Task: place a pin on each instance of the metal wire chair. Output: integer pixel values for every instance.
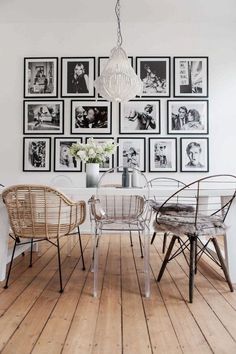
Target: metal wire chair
(167, 184)
(38, 212)
(195, 220)
(119, 209)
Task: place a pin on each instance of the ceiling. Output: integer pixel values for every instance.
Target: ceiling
(131, 11)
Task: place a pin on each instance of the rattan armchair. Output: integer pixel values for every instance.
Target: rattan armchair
(38, 212)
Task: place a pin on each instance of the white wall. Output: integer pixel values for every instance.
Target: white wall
(19, 40)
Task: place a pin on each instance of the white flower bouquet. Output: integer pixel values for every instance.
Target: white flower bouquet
(92, 151)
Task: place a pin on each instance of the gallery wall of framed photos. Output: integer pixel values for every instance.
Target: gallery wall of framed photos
(176, 140)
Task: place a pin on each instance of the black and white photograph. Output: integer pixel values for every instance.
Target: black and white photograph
(140, 117)
(63, 161)
(191, 76)
(162, 155)
(40, 77)
(131, 153)
(90, 117)
(78, 75)
(155, 75)
(43, 117)
(194, 154)
(187, 117)
(37, 154)
(109, 163)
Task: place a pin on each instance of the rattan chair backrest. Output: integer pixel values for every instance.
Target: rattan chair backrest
(37, 211)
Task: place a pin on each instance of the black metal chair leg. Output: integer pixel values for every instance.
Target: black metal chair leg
(193, 244)
(31, 253)
(222, 263)
(164, 242)
(9, 271)
(153, 237)
(59, 264)
(130, 237)
(167, 256)
(140, 244)
(81, 249)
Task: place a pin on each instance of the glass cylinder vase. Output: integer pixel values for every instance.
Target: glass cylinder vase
(92, 175)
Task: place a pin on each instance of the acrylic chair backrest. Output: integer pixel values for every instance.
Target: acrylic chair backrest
(117, 203)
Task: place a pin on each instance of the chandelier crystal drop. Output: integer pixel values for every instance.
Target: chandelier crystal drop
(118, 81)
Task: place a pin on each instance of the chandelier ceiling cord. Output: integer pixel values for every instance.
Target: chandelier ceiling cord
(118, 81)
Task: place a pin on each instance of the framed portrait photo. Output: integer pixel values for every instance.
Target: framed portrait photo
(77, 77)
(155, 75)
(37, 154)
(139, 117)
(131, 152)
(191, 76)
(63, 161)
(187, 117)
(40, 77)
(43, 117)
(162, 155)
(109, 163)
(194, 153)
(90, 117)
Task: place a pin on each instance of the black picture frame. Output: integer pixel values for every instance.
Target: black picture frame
(63, 162)
(36, 154)
(140, 117)
(77, 77)
(162, 154)
(191, 76)
(194, 154)
(155, 73)
(43, 117)
(132, 143)
(41, 77)
(110, 161)
(188, 117)
(98, 112)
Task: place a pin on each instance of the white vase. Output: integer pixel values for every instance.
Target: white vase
(92, 175)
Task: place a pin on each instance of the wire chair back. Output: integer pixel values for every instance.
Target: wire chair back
(201, 198)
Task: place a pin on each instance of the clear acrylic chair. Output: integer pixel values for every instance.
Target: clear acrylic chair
(196, 220)
(166, 184)
(120, 209)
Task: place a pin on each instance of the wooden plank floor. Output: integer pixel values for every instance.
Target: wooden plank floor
(36, 318)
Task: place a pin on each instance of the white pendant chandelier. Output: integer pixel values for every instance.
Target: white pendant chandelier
(118, 81)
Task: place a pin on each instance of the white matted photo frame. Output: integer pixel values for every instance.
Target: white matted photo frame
(43, 117)
(77, 77)
(109, 163)
(187, 117)
(155, 75)
(139, 117)
(162, 154)
(63, 161)
(194, 154)
(37, 154)
(40, 77)
(91, 117)
(190, 76)
(131, 152)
